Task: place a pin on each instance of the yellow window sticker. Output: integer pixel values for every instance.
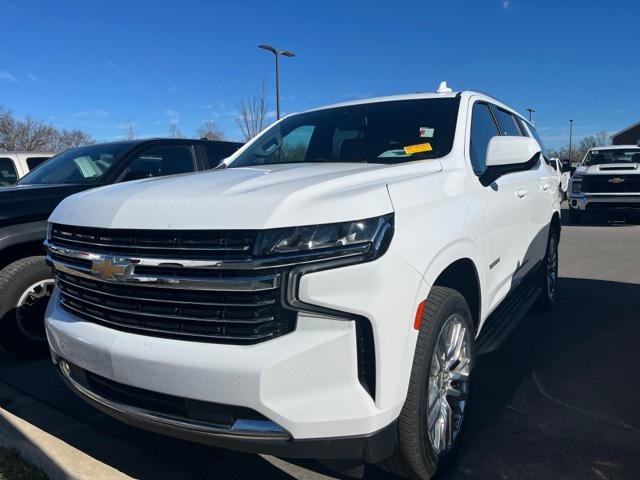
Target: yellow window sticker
(420, 147)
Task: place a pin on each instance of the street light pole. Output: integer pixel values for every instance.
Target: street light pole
(570, 137)
(277, 54)
(530, 110)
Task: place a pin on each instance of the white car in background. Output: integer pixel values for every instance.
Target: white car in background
(15, 165)
(325, 293)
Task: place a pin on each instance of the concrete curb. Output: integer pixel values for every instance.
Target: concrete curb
(57, 459)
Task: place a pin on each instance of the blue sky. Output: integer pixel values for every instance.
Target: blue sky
(98, 65)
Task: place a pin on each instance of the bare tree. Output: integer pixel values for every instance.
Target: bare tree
(66, 139)
(130, 131)
(252, 114)
(28, 134)
(174, 131)
(210, 130)
(602, 139)
(31, 135)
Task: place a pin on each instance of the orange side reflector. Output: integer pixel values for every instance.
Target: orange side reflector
(419, 311)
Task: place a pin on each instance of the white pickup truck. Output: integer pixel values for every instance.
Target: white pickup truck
(607, 184)
(324, 293)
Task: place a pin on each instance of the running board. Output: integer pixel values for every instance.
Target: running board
(506, 317)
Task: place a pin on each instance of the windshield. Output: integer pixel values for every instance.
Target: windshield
(382, 132)
(76, 166)
(618, 155)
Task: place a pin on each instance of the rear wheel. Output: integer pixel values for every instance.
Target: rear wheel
(548, 275)
(432, 419)
(25, 288)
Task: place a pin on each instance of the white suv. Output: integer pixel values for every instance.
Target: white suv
(322, 295)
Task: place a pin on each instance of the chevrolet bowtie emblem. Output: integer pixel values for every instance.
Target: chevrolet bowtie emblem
(616, 180)
(110, 268)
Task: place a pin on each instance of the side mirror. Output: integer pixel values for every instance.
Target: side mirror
(507, 155)
(572, 170)
(566, 165)
(506, 151)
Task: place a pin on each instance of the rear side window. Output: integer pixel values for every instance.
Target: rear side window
(8, 174)
(508, 123)
(33, 162)
(483, 129)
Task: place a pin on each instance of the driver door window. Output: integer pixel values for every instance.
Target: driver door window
(160, 161)
(483, 129)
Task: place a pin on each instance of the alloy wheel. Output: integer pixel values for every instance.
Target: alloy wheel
(448, 384)
(31, 307)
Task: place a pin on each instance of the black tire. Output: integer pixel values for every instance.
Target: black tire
(575, 218)
(549, 294)
(415, 456)
(22, 328)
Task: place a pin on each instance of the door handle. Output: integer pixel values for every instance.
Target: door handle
(522, 192)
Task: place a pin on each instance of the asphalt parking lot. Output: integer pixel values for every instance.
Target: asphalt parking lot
(558, 401)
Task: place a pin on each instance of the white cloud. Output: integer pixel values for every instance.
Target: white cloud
(137, 85)
(172, 115)
(110, 64)
(33, 77)
(270, 114)
(506, 4)
(6, 75)
(93, 113)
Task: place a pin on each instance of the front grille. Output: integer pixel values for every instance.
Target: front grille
(611, 184)
(242, 306)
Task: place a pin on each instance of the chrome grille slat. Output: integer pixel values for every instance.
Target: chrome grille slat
(256, 304)
(229, 284)
(246, 339)
(179, 318)
(149, 247)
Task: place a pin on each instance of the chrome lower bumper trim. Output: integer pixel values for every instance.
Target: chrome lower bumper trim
(242, 429)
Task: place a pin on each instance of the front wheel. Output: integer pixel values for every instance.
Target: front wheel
(25, 288)
(432, 418)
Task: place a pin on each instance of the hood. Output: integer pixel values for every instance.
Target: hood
(238, 198)
(610, 169)
(31, 203)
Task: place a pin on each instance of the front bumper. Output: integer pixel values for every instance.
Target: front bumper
(592, 202)
(305, 382)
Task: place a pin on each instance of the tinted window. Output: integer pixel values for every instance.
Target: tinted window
(33, 162)
(218, 151)
(380, 132)
(483, 129)
(82, 165)
(161, 161)
(8, 174)
(508, 124)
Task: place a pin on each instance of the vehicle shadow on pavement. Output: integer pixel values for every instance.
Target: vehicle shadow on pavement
(558, 400)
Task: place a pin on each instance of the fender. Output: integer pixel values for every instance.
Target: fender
(22, 233)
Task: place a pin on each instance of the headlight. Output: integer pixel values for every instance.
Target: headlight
(576, 185)
(369, 237)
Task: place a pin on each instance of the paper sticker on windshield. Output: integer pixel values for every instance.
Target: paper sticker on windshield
(426, 132)
(420, 147)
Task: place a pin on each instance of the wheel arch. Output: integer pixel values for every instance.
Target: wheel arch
(462, 276)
